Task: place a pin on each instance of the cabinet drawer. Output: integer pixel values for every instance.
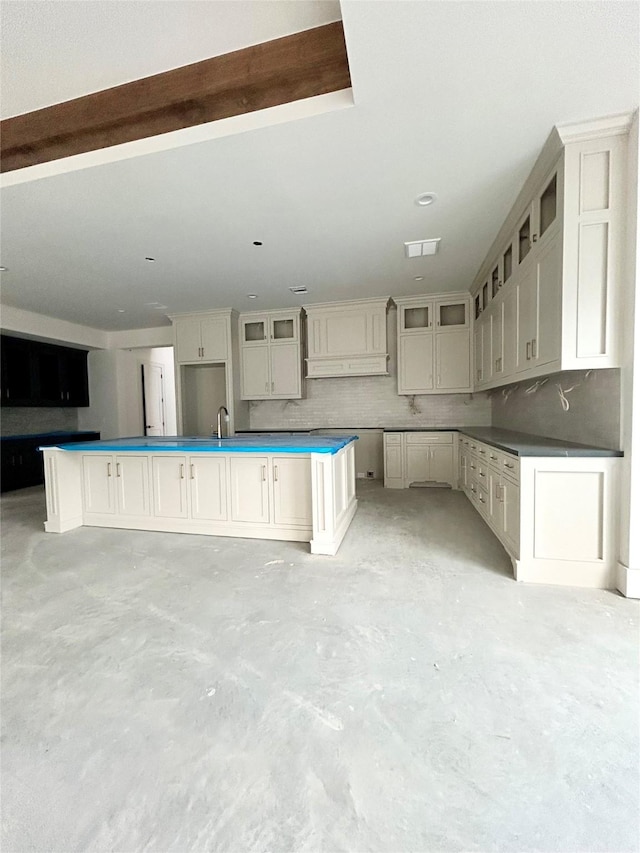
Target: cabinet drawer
(429, 438)
(511, 467)
(393, 438)
(483, 473)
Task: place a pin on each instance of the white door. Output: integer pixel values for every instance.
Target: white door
(213, 334)
(188, 343)
(169, 486)
(547, 344)
(208, 479)
(527, 317)
(249, 488)
(285, 370)
(418, 467)
(255, 372)
(441, 464)
(452, 361)
(132, 485)
(153, 399)
(98, 472)
(415, 363)
(292, 491)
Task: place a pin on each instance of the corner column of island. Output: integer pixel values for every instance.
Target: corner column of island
(296, 488)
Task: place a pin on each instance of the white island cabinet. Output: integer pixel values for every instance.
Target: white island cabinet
(298, 488)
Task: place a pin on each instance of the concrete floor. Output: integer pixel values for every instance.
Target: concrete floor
(166, 692)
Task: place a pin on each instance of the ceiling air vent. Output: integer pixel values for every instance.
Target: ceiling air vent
(419, 248)
(302, 288)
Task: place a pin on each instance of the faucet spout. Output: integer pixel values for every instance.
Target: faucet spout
(223, 413)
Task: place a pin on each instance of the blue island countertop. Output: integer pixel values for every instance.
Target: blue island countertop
(209, 444)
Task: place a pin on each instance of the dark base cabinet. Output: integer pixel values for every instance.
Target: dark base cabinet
(21, 462)
(38, 374)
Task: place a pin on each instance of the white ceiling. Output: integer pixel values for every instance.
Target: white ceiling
(452, 97)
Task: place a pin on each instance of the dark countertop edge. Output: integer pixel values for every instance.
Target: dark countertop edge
(53, 434)
(522, 443)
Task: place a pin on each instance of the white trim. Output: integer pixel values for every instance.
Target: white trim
(628, 581)
(581, 131)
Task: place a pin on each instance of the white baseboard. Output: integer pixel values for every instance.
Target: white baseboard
(628, 581)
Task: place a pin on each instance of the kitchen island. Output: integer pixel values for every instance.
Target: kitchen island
(296, 488)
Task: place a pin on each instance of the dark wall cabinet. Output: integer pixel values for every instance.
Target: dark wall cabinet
(37, 374)
(22, 463)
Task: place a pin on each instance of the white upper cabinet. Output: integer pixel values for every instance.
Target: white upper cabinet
(347, 338)
(554, 269)
(271, 355)
(201, 337)
(434, 347)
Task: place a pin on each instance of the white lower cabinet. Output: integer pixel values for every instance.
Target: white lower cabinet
(208, 487)
(116, 485)
(555, 516)
(249, 489)
(291, 477)
(169, 486)
(418, 457)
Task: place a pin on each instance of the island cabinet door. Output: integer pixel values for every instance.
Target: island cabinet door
(98, 473)
(132, 485)
(169, 486)
(249, 488)
(208, 487)
(292, 491)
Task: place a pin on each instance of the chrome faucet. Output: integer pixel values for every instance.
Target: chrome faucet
(223, 412)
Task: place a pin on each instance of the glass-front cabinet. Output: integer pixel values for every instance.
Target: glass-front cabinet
(255, 330)
(452, 314)
(416, 318)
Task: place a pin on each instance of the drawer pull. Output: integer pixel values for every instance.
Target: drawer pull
(482, 474)
(528, 350)
(118, 474)
(509, 465)
(275, 473)
(264, 473)
(193, 472)
(491, 456)
(181, 471)
(108, 469)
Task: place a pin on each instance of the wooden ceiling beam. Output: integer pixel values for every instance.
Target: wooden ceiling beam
(302, 65)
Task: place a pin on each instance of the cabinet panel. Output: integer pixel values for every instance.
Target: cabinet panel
(441, 463)
(546, 346)
(418, 463)
(347, 335)
(132, 485)
(249, 489)
(208, 479)
(497, 333)
(452, 314)
(415, 363)
(213, 334)
(285, 370)
(292, 491)
(452, 361)
(487, 347)
(393, 456)
(510, 332)
(188, 343)
(169, 486)
(527, 318)
(511, 514)
(98, 473)
(255, 372)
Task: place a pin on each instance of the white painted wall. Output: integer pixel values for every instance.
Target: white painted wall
(629, 565)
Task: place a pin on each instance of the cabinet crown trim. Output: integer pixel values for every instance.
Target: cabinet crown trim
(350, 303)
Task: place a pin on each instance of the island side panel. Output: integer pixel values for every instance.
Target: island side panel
(333, 495)
(63, 490)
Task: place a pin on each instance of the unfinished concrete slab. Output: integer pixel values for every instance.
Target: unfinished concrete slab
(167, 692)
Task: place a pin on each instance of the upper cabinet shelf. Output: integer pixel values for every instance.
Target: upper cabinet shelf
(347, 338)
(547, 296)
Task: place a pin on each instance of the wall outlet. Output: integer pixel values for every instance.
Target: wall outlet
(371, 475)
(361, 476)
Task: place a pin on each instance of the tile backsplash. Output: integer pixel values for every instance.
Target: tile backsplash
(593, 416)
(368, 401)
(26, 420)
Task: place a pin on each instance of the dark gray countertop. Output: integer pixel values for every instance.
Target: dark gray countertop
(519, 443)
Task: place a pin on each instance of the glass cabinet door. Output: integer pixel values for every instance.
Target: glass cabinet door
(507, 263)
(283, 329)
(254, 331)
(549, 204)
(524, 238)
(496, 281)
(418, 318)
(451, 315)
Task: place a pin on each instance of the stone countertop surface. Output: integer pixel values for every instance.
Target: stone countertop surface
(520, 443)
(209, 444)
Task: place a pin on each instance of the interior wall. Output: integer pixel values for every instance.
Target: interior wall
(204, 390)
(102, 413)
(593, 416)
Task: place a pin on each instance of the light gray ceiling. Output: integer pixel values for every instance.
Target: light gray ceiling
(456, 98)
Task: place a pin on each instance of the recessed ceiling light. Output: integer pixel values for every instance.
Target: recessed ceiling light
(4, 269)
(425, 199)
(121, 310)
(151, 260)
(301, 288)
(419, 248)
(252, 295)
(418, 278)
(257, 242)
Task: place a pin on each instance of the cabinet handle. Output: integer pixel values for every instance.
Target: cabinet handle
(62, 395)
(273, 386)
(509, 465)
(264, 473)
(481, 499)
(193, 471)
(492, 457)
(534, 348)
(498, 491)
(181, 471)
(482, 474)
(473, 467)
(20, 459)
(482, 451)
(534, 238)
(7, 392)
(275, 473)
(528, 350)
(266, 387)
(108, 469)
(118, 474)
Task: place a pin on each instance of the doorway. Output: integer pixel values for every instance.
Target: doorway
(153, 408)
